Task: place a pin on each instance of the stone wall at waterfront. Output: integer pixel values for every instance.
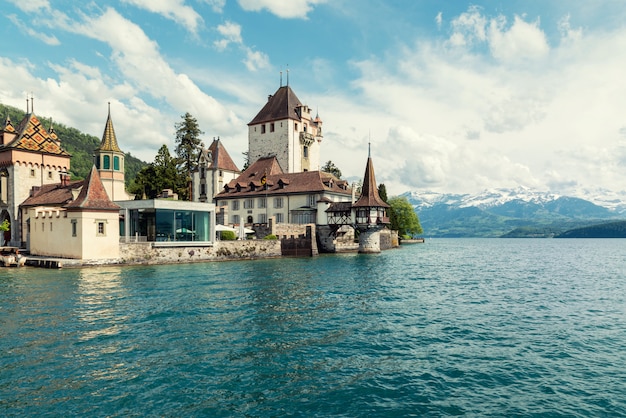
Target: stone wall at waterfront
(146, 253)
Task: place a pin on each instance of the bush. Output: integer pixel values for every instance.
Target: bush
(270, 236)
(228, 236)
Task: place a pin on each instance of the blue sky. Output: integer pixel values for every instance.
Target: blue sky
(454, 96)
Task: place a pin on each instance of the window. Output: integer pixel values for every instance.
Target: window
(261, 203)
(202, 189)
(248, 204)
(106, 162)
(74, 233)
(101, 231)
(272, 127)
(306, 151)
(202, 172)
(32, 173)
(50, 226)
(278, 202)
(235, 205)
(236, 219)
(279, 217)
(262, 218)
(262, 129)
(116, 163)
(312, 201)
(295, 126)
(49, 174)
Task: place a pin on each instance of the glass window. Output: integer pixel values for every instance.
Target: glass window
(101, 230)
(235, 205)
(279, 217)
(261, 203)
(116, 163)
(278, 202)
(106, 162)
(248, 204)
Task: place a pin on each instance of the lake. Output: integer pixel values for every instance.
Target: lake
(452, 327)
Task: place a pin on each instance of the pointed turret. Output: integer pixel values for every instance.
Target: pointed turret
(109, 160)
(371, 212)
(109, 140)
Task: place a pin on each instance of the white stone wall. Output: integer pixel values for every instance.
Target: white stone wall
(51, 234)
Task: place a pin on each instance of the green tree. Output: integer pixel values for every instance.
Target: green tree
(331, 168)
(188, 145)
(382, 192)
(403, 217)
(161, 174)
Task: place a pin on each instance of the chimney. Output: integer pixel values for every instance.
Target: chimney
(65, 178)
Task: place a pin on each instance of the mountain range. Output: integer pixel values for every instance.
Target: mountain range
(519, 212)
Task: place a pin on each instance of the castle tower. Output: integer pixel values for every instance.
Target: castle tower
(109, 161)
(30, 158)
(371, 212)
(285, 128)
(214, 169)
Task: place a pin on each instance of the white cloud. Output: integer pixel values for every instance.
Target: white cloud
(521, 41)
(256, 60)
(31, 6)
(47, 39)
(216, 5)
(231, 33)
(439, 19)
(139, 60)
(283, 9)
(175, 10)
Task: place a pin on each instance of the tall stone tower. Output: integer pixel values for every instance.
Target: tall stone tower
(285, 128)
(109, 160)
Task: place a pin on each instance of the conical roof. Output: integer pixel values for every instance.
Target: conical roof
(109, 140)
(369, 190)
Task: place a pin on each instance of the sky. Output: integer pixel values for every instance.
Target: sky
(452, 96)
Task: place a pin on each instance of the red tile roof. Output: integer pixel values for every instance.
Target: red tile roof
(267, 169)
(93, 196)
(53, 194)
(221, 158)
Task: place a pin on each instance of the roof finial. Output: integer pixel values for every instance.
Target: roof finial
(369, 145)
(27, 103)
(109, 103)
(281, 78)
(32, 102)
(287, 75)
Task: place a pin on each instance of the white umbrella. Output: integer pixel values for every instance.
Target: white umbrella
(219, 228)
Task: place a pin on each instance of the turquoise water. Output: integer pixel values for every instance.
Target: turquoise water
(467, 327)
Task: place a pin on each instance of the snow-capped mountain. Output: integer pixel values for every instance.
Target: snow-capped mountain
(496, 212)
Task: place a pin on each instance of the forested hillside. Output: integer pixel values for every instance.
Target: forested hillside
(81, 146)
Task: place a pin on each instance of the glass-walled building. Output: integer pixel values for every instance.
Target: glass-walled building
(167, 221)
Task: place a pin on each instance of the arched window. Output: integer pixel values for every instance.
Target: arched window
(106, 162)
(116, 163)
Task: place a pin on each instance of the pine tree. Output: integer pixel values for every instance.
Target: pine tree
(188, 145)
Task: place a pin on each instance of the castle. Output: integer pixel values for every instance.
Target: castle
(283, 185)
